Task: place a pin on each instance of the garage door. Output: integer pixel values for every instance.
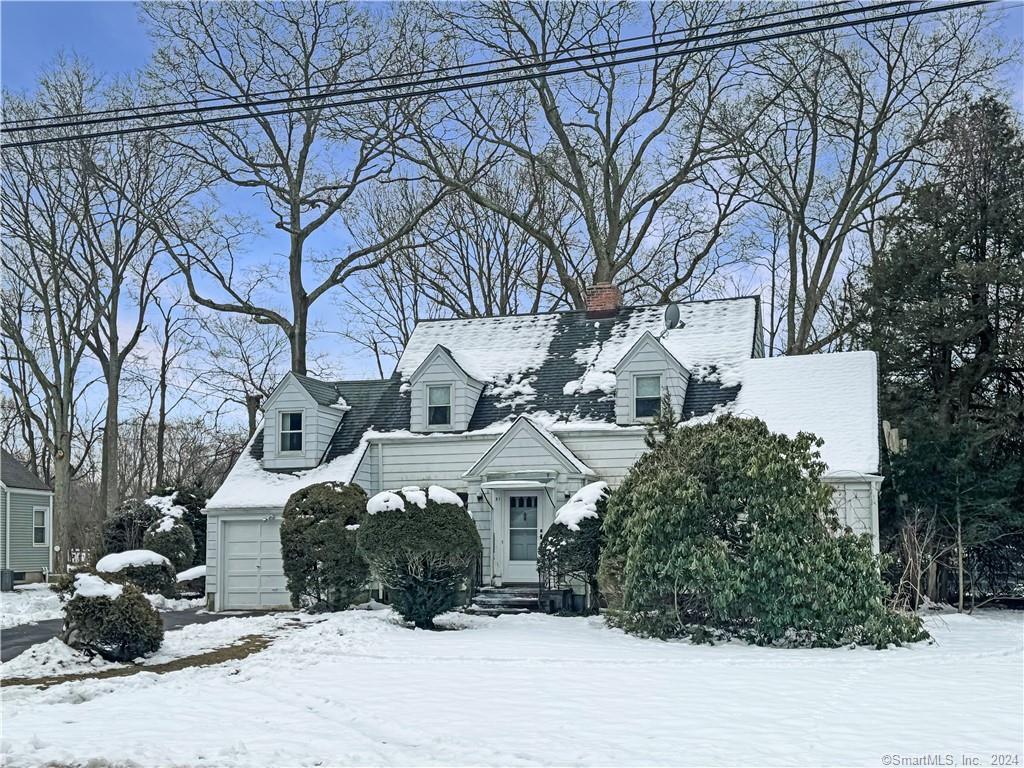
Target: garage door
(253, 572)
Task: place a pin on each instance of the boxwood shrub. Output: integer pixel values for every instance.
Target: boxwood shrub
(151, 578)
(118, 626)
(423, 546)
(193, 501)
(322, 561)
(726, 529)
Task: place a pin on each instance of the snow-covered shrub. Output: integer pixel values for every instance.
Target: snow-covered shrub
(110, 620)
(124, 528)
(149, 571)
(192, 582)
(571, 548)
(423, 546)
(170, 537)
(188, 504)
(323, 564)
(727, 528)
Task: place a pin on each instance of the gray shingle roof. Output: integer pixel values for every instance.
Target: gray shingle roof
(14, 474)
(382, 406)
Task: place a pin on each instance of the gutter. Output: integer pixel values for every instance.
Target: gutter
(7, 525)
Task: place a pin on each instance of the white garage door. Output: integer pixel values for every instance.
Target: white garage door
(253, 572)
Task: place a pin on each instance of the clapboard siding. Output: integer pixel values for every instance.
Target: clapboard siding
(610, 455)
(648, 357)
(367, 476)
(212, 544)
(319, 424)
(437, 369)
(422, 461)
(24, 555)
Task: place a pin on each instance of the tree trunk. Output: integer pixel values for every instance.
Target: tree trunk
(959, 562)
(110, 492)
(161, 426)
(297, 337)
(61, 519)
(252, 407)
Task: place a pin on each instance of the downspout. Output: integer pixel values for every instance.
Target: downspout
(7, 525)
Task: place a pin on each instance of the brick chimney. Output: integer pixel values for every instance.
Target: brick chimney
(603, 299)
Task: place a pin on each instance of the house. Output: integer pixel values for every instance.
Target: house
(26, 521)
(516, 413)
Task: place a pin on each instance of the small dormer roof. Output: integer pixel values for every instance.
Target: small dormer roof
(443, 352)
(647, 340)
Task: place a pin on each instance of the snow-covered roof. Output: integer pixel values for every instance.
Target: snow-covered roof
(248, 485)
(835, 396)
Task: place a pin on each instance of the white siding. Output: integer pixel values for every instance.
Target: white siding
(648, 357)
(318, 426)
(439, 368)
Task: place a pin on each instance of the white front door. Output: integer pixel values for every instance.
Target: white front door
(521, 537)
(253, 568)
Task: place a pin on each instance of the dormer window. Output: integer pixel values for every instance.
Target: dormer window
(439, 405)
(647, 396)
(291, 431)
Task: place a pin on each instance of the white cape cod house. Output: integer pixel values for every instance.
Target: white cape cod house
(517, 413)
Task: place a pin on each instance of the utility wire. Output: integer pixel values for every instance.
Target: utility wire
(236, 99)
(461, 86)
(488, 73)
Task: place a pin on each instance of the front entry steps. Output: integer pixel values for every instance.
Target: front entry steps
(500, 601)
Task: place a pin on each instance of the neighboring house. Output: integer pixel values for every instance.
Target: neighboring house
(516, 413)
(26, 521)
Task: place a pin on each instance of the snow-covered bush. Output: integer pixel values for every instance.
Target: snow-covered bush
(187, 504)
(192, 582)
(323, 564)
(124, 528)
(726, 528)
(149, 571)
(110, 620)
(423, 546)
(570, 550)
(170, 537)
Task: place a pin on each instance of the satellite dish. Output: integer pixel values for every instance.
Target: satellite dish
(671, 316)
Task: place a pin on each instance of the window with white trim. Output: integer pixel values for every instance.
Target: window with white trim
(646, 396)
(439, 406)
(291, 432)
(39, 526)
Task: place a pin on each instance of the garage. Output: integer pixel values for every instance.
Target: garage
(253, 569)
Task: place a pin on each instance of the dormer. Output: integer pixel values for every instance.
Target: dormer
(443, 396)
(646, 372)
(300, 417)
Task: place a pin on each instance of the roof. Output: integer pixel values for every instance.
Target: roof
(324, 392)
(835, 396)
(14, 474)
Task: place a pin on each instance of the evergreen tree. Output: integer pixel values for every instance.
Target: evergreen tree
(945, 309)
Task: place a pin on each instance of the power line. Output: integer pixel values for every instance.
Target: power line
(461, 86)
(235, 103)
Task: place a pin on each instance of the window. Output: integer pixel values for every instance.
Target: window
(647, 398)
(439, 406)
(291, 431)
(39, 526)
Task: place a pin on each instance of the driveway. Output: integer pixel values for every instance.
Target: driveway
(17, 639)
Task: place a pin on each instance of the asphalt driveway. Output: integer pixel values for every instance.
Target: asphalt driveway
(17, 639)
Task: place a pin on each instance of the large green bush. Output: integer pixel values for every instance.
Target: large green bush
(150, 571)
(423, 546)
(112, 621)
(570, 550)
(188, 504)
(727, 529)
(322, 561)
(125, 527)
(172, 538)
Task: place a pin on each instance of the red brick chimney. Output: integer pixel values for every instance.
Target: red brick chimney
(603, 299)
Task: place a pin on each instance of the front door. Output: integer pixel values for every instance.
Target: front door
(521, 553)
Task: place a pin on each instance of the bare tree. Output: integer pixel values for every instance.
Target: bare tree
(46, 313)
(306, 166)
(839, 119)
(629, 146)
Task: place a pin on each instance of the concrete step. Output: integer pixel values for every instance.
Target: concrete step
(479, 610)
(516, 600)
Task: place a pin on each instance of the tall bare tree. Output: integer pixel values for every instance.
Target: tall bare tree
(629, 146)
(839, 119)
(306, 167)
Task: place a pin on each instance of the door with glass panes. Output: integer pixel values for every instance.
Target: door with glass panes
(521, 537)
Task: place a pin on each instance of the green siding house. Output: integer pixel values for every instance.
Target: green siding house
(26, 521)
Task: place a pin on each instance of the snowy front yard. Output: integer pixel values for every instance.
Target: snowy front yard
(27, 604)
(357, 689)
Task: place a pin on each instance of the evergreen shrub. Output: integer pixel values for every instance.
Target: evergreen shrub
(118, 625)
(172, 538)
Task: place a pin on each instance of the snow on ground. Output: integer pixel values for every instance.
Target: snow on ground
(358, 689)
(28, 604)
(55, 658)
